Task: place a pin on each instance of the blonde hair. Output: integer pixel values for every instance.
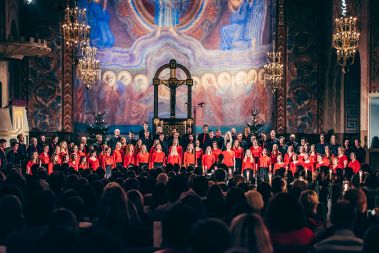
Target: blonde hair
(255, 200)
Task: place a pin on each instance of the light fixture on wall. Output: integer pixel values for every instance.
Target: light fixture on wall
(75, 27)
(88, 68)
(346, 38)
(273, 70)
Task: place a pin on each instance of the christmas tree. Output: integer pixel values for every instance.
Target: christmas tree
(98, 127)
(255, 124)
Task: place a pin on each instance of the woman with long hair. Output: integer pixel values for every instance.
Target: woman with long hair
(138, 146)
(83, 163)
(300, 156)
(158, 158)
(248, 162)
(44, 157)
(33, 160)
(342, 158)
(256, 150)
(81, 150)
(279, 163)
(313, 154)
(124, 144)
(208, 159)
(328, 156)
(227, 138)
(93, 161)
(199, 153)
(179, 149)
(63, 148)
(118, 154)
(143, 157)
(250, 233)
(174, 157)
(229, 156)
(294, 163)
(74, 161)
(54, 160)
(116, 213)
(108, 162)
(238, 152)
(215, 150)
(189, 156)
(130, 157)
(274, 153)
(288, 156)
(354, 163)
(57, 151)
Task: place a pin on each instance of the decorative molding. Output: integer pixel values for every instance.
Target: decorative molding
(67, 90)
(282, 47)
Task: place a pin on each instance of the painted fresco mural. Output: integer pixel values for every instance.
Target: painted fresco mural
(222, 42)
(45, 94)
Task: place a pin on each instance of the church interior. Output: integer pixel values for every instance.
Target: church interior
(91, 72)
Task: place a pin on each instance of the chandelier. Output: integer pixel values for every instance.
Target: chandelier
(88, 67)
(273, 70)
(346, 40)
(75, 28)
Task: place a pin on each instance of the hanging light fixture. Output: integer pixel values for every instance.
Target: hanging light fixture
(346, 38)
(75, 27)
(273, 70)
(88, 67)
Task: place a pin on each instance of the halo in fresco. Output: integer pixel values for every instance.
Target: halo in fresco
(140, 83)
(241, 78)
(252, 76)
(261, 77)
(109, 77)
(209, 81)
(224, 80)
(125, 77)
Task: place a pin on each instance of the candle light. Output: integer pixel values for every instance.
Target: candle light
(270, 178)
(248, 175)
(360, 176)
(345, 185)
(306, 172)
(330, 174)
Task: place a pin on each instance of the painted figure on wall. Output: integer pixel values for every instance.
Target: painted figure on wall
(148, 33)
(246, 26)
(98, 18)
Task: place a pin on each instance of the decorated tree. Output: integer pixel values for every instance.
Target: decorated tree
(256, 123)
(98, 127)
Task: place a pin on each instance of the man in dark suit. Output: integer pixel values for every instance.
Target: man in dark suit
(14, 156)
(3, 156)
(219, 139)
(131, 139)
(53, 144)
(320, 147)
(204, 137)
(145, 128)
(98, 145)
(22, 148)
(185, 138)
(116, 138)
(146, 139)
(41, 143)
(272, 140)
(359, 151)
(32, 147)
